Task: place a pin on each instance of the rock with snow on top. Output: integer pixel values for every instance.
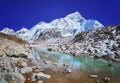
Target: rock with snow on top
(40, 75)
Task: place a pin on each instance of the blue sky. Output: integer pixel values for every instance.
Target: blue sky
(26, 13)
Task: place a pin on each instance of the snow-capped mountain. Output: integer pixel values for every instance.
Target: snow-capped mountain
(21, 33)
(70, 25)
(8, 31)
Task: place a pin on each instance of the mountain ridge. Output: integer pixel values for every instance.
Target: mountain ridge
(70, 25)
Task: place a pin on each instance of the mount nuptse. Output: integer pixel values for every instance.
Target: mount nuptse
(70, 25)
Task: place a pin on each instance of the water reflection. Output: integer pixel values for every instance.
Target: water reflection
(89, 65)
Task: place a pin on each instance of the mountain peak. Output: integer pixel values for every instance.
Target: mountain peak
(8, 31)
(75, 15)
(70, 25)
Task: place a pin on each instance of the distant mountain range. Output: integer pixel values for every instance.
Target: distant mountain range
(70, 25)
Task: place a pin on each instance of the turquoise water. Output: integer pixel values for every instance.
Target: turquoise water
(88, 65)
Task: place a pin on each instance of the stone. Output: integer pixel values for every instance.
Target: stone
(93, 76)
(26, 70)
(40, 81)
(110, 65)
(55, 63)
(65, 64)
(49, 49)
(2, 53)
(41, 75)
(97, 81)
(106, 79)
(33, 79)
(67, 70)
(117, 60)
(38, 67)
(23, 64)
(14, 78)
(39, 70)
(47, 62)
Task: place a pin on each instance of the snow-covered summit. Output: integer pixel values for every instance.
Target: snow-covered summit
(70, 25)
(8, 31)
(22, 30)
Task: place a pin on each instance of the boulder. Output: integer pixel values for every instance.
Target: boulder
(2, 53)
(41, 75)
(40, 81)
(106, 79)
(93, 76)
(23, 64)
(26, 70)
(14, 78)
(67, 70)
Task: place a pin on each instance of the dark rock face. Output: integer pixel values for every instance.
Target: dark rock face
(104, 40)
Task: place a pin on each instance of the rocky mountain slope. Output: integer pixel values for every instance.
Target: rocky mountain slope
(16, 65)
(12, 49)
(70, 25)
(99, 42)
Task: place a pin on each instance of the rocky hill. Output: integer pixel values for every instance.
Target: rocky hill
(12, 38)
(12, 50)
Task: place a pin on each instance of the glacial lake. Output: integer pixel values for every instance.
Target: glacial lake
(98, 67)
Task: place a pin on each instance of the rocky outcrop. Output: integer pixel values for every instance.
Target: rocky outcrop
(13, 46)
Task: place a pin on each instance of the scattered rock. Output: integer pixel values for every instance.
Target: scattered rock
(41, 75)
(47, 62)
(23, 64)
(93, 76)
(2, 54)
(14, 78)
(34, 67)
(67, 70)
(38, 67)
(49, 49)
(65, 64)
(117, 60)
(39, 70)
(40, 81)
(55, 63)
(97, 81)
(26, 70)
(106, 79)
(110, 65)
(33, 79)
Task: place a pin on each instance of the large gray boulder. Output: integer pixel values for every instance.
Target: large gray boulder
(14, 78)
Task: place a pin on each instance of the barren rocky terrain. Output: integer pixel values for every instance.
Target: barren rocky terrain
(23, 62)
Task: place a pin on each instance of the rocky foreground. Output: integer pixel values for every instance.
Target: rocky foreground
(15, 65)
